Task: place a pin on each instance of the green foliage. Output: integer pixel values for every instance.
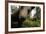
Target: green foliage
(29, 23)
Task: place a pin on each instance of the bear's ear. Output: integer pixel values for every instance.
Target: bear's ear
(32, 7)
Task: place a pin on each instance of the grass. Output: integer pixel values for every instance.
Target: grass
(29, 23)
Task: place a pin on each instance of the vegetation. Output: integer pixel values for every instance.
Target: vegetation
(29, 23)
